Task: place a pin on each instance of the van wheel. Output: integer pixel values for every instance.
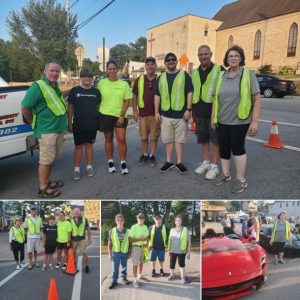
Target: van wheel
(268, 93)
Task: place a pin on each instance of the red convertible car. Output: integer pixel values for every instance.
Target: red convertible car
(232, 267)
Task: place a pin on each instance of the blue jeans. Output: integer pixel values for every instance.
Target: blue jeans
(118, 258)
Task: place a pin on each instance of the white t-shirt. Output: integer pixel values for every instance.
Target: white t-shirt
(33, 236)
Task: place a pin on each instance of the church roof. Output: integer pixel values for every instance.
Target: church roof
(242, 12)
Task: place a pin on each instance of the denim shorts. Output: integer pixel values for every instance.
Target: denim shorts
(204, 132)
(160, 254)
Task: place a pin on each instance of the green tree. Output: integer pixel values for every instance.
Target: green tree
(4, 61)
(120, 54)
(138, 49)
(44, 30)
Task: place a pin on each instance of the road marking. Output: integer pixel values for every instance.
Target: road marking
(280, 123)
(9, 277)
(263, 142)
(77, 281)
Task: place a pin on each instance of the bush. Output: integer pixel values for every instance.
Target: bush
(104, 234)
(287, 70)
(265, 69)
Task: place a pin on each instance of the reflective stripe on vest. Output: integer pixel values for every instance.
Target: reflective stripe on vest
(78, 230)
(141, 85)
(177, 99)
(117, 245)
(207, 88)
(55, 103)
(287, 231)
(34, 228)
(183, 239)
(19, 235)
(245, 103)
(163, 233)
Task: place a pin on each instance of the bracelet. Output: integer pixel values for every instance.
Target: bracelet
(189, 109)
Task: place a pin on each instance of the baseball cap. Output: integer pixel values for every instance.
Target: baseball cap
(156, 217)
(150, 58)
(141, 216)
(170, 55)
(33, 207)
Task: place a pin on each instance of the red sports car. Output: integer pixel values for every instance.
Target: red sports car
(232, 267)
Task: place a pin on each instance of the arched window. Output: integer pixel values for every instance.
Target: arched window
(292, 43)
(230, 41)
(257, 45)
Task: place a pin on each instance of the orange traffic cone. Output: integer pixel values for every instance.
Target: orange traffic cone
(274, 139)
(192, 127)
(71, 269)
(52, 293)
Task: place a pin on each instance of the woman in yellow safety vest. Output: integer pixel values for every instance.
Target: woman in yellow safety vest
(179, 246)
(17, 237)
(235, 112)
(281, 234)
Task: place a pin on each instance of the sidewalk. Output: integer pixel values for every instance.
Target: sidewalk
(158, 288)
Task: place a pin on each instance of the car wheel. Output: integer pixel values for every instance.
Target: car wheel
(259, 285)
(268, 93)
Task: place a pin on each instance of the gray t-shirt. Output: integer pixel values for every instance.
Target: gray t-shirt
(229, 98)
(175, 241)
(280, 233)
(121, 234)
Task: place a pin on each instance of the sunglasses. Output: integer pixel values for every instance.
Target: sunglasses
(18, 220)
(149, 84)
(170, 59)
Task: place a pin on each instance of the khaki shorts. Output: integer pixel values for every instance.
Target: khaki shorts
(51, 147)
(137, 255)
(149, 126)
(81, 245)
(33, 244)
(173, 130)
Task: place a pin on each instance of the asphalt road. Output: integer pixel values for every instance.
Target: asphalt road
(271, 173)
(34, 284)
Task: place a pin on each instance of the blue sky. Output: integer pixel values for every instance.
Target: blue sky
(123, 21)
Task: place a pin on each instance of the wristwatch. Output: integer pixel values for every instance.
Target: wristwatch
(189, 109)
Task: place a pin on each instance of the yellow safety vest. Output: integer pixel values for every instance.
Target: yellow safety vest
(117, 245)
(141, 82)
(245, 104)
(19, 235)
(78, 230)
(55, 103)
(183, 239)
(177, 100)
(205, 91)
(287, 231)
(34, 228)
(163, 233)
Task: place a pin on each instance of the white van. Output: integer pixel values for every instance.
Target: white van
(16, 135)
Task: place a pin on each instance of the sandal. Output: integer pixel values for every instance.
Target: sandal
(55, 184)
(48, 193)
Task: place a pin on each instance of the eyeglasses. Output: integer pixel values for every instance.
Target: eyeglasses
(170, 59)
(234, 56)
(18, 220)
(141, 218)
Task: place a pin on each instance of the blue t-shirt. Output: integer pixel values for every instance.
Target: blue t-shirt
(244, 227)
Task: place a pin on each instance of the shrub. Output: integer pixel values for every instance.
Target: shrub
(265, 69)
(287, 70)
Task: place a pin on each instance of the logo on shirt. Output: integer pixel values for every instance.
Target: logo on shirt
(85, 95)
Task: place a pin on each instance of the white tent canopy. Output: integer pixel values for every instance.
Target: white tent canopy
(3, 82)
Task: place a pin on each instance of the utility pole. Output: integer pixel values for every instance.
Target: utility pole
(103, 48)
(68, 8)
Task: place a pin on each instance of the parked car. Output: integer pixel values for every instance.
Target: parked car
(292, 250)
(267, 219)
(93, 226)
(271, 86)
(232, 267)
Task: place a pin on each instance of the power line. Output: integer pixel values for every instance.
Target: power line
(73, 4)
(94, 15)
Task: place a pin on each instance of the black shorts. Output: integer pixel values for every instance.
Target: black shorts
(107, 123)
(61, 246)
(86, 136)
(181, 260)
(204, 132)
(50, 249)
(278, 247)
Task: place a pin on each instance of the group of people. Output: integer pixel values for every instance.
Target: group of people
(143, 244)
(60, 236)
(224, 104)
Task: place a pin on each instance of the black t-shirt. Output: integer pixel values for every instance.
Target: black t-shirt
(203, 109)
(51, 234)
(85, 103)
(188, 88)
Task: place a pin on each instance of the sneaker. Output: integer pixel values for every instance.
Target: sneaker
(18, 267)
(171, 277)
(30, 267)
(36, 265)
(205, 166)
(111, 167)
(44, 268)
(125, 280)
(143, 159)
(87, 269)
(161, 273)
(238, 186)
(22, 265)
(212, 173)
(112, 285)
(181, 168)
(90, 172)
(167, 166)
(222, 179)
(64, 267)
(124, 169)
(183, 280)
(57, 265)
(76, 175)
(152, 161)
(136, 284)
(281, 262)
(51, 267)
(153, 273)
